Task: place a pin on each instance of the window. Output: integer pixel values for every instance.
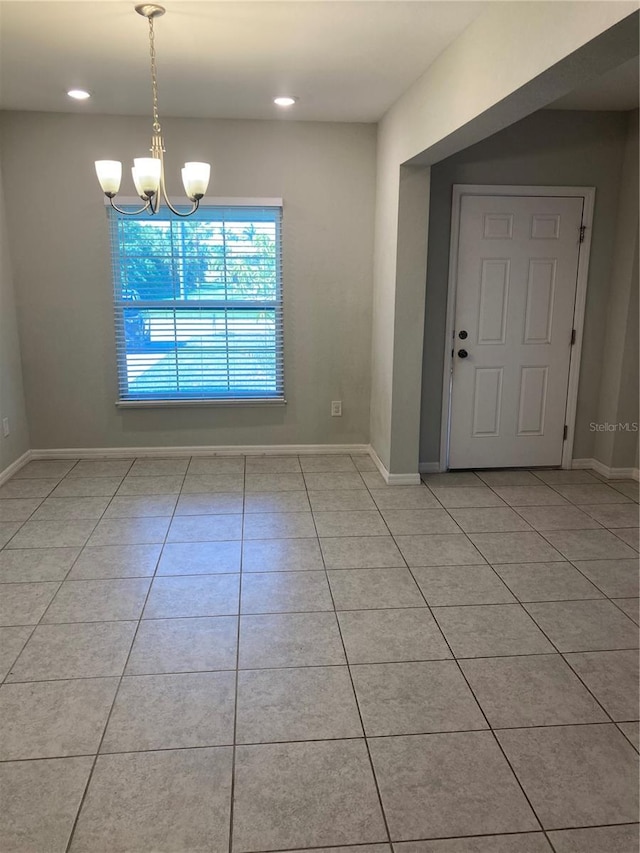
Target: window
(198, 305)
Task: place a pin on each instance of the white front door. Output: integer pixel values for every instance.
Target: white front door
(516, 285)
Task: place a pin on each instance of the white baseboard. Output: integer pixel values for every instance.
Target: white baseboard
(199, 450)
(19, 463)
(592, 464)
(213, 450)
(605, 470)
(274, 450)
(393, 479)
(429, 468)
(403, 480)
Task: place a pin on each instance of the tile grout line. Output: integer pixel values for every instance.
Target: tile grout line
(614, 601)
(626, 735)
(439, 838)
(353, 687)
(232, 781)
(229, 744)
(615, 533)
(113, 703)
(306, 573)
(22, 648)
(320, 666)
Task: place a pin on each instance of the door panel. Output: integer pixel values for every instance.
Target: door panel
(487, 401)
(538, 315)
(533, 400)
(494, 299)
(515, 295)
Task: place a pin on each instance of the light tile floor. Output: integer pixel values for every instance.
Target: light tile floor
(265, 654)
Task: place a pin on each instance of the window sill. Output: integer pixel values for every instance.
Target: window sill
(179, 404)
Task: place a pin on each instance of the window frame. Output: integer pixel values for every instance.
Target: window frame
(214, 304)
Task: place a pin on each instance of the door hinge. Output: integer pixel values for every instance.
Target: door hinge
(583, 228)
(565, 432)
(573, 336)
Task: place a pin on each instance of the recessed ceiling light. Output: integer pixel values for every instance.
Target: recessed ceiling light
(79, 94)
(285, 101)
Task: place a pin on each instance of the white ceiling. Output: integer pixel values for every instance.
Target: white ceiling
(345, 60)
(616, 90)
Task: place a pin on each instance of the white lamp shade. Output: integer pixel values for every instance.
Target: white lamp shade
(146, 175)
(195, 177)
(109, 174)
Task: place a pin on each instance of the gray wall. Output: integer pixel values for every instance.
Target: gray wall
(552, 148)
(12, 404)
(625, 451)
(618, 402)
(59, 239)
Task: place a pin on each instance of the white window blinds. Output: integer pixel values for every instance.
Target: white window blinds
(198, 305)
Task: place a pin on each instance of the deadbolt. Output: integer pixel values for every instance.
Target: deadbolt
(462, 335)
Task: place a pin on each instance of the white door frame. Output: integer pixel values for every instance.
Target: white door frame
(460, 190)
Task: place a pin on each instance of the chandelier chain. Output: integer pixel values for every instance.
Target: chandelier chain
(154, 77)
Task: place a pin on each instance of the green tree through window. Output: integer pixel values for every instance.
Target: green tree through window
(198, 304)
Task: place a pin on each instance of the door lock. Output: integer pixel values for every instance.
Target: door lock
(462, 353)
(462, 335)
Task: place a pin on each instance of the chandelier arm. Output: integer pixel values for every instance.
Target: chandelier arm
(147, 206)
(196, 204)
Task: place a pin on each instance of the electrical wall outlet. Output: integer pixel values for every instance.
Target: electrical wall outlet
(5, 427)
(336, 408)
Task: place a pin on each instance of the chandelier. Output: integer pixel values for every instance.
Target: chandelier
(148, 172)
